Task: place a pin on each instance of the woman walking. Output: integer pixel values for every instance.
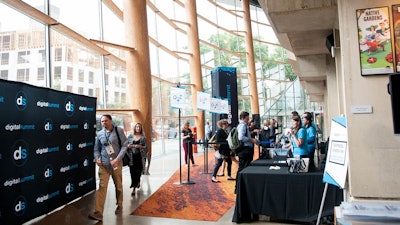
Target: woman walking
(223, 150)
(137, 145)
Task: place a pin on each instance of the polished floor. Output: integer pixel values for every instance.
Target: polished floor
(163, 165)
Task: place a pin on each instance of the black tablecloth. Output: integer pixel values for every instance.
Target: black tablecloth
(282, 195)
(278, 161)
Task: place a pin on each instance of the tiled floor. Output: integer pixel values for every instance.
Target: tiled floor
(163, 165)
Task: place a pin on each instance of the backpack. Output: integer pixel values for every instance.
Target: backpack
(233, 140)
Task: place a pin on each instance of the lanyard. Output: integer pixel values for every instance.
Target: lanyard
(108, 136)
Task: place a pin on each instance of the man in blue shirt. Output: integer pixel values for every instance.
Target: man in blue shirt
(245, 154)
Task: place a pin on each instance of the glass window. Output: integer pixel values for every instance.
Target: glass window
(5, 42)
(42, 56)
(116, 81)
(70, 55)
(58, 54)
(81, 75)
(71, 12)
(91, 75)
(23, 75)
(57, 73)
(23, 57)
(69, 88)
(4, 74)
(5, 58)
(40, 73)
(70, 73)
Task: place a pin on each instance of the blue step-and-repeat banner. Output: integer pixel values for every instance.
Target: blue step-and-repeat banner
(46, 150)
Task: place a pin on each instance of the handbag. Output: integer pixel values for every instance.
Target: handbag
(212, 140)
(298, 165)
(125, 160)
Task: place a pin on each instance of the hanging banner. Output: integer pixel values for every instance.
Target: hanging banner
(215, 105)
(203, 101)
(224, 106)
(178, 97)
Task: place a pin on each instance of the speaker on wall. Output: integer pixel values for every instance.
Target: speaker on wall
(257, 122)
(394, 91)
(330, 44)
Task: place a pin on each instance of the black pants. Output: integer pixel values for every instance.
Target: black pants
(245, 157)
(228, 160)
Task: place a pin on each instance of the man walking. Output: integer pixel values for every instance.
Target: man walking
(109, 149)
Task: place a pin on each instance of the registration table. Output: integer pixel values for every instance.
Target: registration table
(282, 195)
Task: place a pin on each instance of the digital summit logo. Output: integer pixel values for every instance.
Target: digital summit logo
(69, 146)
(69, 106)
(48, 126)
(69, 187)
(21, 100)
(48, 172)
(19, 205)
(20, 152)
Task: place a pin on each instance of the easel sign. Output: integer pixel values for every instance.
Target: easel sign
(337, 159)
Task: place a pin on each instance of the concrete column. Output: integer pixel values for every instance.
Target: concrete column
(195, 63)
(255, 108)
(138, 65)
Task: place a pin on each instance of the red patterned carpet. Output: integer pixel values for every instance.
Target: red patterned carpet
(203, 200)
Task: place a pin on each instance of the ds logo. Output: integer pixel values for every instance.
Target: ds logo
(69, 106)
(20, 206)
(21, 100)
(48, 173)
(69, 147)
(20, 153)
(48, 126)
(69, 188)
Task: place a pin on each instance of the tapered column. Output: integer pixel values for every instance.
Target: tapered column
(195, 63)
(255, 109)
(138, 64)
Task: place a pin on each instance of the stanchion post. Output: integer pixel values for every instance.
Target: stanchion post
(180, 149)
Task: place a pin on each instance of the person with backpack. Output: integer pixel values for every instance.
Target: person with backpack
(246, 152)
(109, 149)
(224, 150)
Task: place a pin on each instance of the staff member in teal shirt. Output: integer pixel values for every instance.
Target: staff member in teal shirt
(311, 134)
(298, 136)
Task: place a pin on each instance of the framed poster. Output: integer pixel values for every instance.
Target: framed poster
(396, 28)
(375, 42)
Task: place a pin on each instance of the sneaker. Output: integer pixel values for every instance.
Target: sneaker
(214, 180)
(231, 178)
(96, 216)
(118, 210)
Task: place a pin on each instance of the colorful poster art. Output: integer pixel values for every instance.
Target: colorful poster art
(396, 28)
(376, 56)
